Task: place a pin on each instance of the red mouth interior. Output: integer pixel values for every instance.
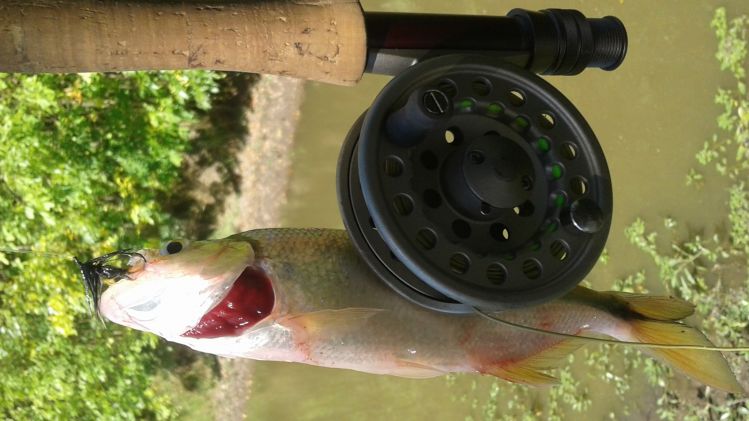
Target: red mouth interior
(249, 300)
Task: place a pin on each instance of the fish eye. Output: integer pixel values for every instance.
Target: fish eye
(172, 247)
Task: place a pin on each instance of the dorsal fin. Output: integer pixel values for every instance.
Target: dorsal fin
(656, 307)
(330, 320)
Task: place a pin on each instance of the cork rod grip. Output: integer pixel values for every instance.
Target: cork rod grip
(322, 40)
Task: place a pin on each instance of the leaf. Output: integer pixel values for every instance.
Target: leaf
(75, 160)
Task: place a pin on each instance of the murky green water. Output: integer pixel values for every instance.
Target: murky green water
(651, 116)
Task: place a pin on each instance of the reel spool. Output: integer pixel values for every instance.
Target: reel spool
(471, 182)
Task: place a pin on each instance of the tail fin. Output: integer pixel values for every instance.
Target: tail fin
(659, 325)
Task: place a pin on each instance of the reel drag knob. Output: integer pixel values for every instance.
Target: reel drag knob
(474, 183)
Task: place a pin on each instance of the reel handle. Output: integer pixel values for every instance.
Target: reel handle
(323, 41)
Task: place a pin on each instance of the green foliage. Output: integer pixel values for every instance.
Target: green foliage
(85, 164)
(729, 152)
(739, 217)
(570, 393)
(683, 270)
(188, 378)
(731, 42)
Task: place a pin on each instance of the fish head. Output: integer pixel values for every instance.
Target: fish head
(171, 292)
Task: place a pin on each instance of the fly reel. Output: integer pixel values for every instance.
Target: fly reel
(471, 182)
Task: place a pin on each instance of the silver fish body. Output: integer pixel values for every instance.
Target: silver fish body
(329, 309)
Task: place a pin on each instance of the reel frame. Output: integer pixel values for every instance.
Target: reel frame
(471, 182)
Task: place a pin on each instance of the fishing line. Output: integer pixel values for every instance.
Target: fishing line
(611, 341)
(91, 271)
(42, 253)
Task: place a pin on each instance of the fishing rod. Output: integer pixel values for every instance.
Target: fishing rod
(553, 41)
(331, 41)
(469, 182)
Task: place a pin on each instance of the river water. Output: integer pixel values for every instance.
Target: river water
(651, 116)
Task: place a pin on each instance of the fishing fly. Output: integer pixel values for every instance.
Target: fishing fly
(96, 269)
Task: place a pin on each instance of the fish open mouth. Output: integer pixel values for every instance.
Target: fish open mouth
(249, 300)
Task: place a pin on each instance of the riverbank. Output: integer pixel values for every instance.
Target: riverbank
(264, 164)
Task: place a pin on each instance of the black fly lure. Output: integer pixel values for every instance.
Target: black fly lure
(94, 270)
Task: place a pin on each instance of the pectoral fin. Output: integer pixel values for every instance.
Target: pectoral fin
(523, 374)
(414, 370)
(331, 320)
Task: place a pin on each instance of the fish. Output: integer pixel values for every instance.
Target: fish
(305, 296)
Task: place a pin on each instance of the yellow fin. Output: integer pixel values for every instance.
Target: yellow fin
(553, 357)
(521, 374)
(416, 370)
(331, 320)
(708, 367)
(656, 307)
(528, 371)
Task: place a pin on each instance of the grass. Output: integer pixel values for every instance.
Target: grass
(189, 390)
